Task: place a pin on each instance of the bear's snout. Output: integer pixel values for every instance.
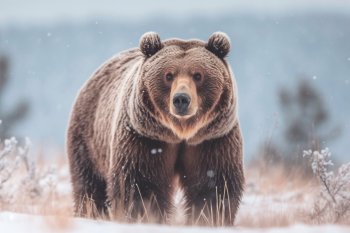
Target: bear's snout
(183, 98)
(181, 101)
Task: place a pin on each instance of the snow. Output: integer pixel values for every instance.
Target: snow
(268, 204)
(156, 150)
(14, 222)
(210, 173)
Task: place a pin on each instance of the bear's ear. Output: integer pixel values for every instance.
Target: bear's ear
(150, 43)
(219, 44)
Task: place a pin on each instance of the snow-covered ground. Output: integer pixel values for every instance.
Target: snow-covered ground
(34, 198)
(274, 208)
(14, 222)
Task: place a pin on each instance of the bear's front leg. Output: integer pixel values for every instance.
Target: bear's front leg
(140, 180)
(212, 176)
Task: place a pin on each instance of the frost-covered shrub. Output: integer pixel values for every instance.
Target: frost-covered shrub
(333, 202)
(20, 177)
(8, 163)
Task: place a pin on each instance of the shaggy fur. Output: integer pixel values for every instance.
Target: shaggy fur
(125, 147)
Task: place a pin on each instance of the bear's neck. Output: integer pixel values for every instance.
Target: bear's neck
(142, 117)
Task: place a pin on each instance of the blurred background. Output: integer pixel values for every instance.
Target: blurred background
(291, 60)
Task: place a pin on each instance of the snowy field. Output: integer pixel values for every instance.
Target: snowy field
(280, 207)
(14, 222)
(35, 196)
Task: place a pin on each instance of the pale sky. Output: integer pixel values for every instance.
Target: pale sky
(44, 11)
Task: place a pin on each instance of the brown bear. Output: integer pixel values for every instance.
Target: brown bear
(150, 114)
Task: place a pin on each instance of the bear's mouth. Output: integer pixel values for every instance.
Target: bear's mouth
(183, 115)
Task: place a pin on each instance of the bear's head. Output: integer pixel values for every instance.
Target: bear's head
(188, 85)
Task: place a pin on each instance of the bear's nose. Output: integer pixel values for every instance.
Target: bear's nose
(181, 102)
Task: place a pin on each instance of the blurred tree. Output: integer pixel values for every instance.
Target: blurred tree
(306, 119)
(305, 125)
(19, 111)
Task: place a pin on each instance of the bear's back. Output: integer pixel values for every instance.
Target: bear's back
(92, 114)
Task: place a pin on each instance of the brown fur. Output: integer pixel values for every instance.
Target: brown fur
(124, 143)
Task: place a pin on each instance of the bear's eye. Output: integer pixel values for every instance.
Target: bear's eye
(197, 77)
(169, 77)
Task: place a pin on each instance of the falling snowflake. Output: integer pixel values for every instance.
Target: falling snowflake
(154, 151)
(210, 173)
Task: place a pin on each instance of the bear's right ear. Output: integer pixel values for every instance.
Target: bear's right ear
(150, 43)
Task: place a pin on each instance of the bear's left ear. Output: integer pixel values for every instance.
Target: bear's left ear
(219, 44)
(150, 43)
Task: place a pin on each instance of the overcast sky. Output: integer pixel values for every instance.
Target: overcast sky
(44, 11)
